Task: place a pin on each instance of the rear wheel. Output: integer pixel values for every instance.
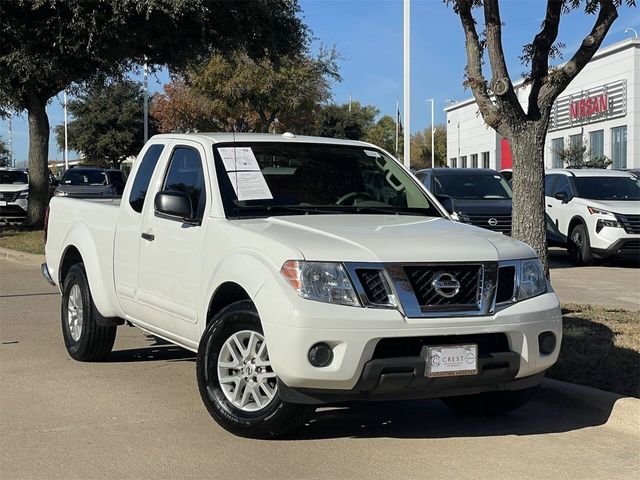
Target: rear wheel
(236, 381)
(579, 247)
(85, 340)
(491, 403)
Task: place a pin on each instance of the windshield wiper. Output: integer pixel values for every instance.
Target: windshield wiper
(387, 210)
(290, 208)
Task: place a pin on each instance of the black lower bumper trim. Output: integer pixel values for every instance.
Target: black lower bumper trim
(404, 378)
(622, 247)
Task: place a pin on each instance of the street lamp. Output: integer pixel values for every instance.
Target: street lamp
(407, 82)
(146, 101)
(433, 131)
(66, 149)
(629, 29)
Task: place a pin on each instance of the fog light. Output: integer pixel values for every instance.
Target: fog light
(320, 355)
(546, 342)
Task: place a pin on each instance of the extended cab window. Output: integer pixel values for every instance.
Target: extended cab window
(549, 180)
(185, 174)
(143, 177)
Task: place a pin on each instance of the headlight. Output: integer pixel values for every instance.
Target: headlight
(321, 281)
(60, 193)
(604, 222)
(23, 195)
(532, 281)
(598, 211)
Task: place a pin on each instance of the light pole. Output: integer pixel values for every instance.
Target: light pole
(146, 101)
(66, 158)
(629, 29)
(407, 83)
(11, 164)
(433, 131)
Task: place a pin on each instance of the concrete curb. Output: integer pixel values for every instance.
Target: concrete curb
(21, 257)
(621, 413)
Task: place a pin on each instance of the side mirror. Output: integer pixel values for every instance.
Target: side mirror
(447, 202)
(562, 196)
(175, 205)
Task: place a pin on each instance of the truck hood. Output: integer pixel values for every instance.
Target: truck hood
(626, 207)
(387, 238)
(13, 187)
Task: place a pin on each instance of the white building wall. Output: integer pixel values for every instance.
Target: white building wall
(617, 62)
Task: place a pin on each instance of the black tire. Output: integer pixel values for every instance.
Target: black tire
(579, 246)
(491, 403)
(273, 420)
(95, 341)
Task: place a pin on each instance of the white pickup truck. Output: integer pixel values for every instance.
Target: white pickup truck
(302, 271)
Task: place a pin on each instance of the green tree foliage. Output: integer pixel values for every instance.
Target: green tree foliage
(581, 156)
(383, 134)
(49, 45)
(344, 121)
(4, 153)
(421, 147)
(249, 95)
(107, 125)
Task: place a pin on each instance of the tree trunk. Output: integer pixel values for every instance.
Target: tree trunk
(529, 225)
(38, 162)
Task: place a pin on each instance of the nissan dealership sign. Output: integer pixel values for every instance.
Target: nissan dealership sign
(593, 105)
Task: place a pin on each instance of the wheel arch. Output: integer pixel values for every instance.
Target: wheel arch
(577, 219)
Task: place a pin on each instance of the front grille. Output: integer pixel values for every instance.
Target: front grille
(630, 223)
(505, 290)
(630, 247)
(12, 211)
(373, 285)
(423, 277)
(9, 196)
(412, 346)
(502, 222)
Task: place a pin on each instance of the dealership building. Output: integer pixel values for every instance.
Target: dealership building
(599, 109)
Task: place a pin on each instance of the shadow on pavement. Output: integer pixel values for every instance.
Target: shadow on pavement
(559, 258)
(549, 412)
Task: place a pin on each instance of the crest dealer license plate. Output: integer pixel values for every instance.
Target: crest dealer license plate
(452, 360)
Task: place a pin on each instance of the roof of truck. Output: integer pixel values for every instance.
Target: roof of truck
(230, 137)
(588, 172)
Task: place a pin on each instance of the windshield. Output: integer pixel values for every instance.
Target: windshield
(473, 187)
(84, 177)
(608, 188)
(267, 179)
(13, 176)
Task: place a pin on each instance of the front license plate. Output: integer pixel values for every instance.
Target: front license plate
(3, 203)
(452, 361)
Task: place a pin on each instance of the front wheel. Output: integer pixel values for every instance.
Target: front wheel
(236, 381)
(579, 247)
(491, 403)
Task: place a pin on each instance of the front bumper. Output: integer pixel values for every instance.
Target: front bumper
(292, 325)
(623, 247)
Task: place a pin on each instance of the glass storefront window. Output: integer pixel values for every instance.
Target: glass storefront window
(596, 144)
(474, 160)
(463, 161)
(575, 140)
(557, 145)
(485, 159)
(619, 147)
(454, 162)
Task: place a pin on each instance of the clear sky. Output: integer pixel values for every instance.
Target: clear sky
(368, 35)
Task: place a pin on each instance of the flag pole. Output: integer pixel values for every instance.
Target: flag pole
(66, 144)
(407, 84)
(146, 101)
(397, 124)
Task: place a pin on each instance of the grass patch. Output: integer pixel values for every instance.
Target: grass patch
(600, 348)
(31, 241)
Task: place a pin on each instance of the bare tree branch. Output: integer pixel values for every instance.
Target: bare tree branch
(475, 78)
(540, 51)
(560, 79)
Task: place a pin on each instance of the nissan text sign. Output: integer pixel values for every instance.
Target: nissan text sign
(586, 107)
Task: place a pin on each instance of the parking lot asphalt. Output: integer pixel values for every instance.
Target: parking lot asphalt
(612, 283)
(139, 415)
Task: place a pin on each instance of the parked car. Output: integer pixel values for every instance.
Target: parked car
(299, 281)
(481, 197)
(91, 181)
(597, 212)
(14, 192)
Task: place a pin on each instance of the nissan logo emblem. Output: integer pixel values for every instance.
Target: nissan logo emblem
(493, 222)
(445, 285)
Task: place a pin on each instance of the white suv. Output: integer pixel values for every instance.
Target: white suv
(596, 211)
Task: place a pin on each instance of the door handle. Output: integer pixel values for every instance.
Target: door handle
(550, 206)
(149, 236)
